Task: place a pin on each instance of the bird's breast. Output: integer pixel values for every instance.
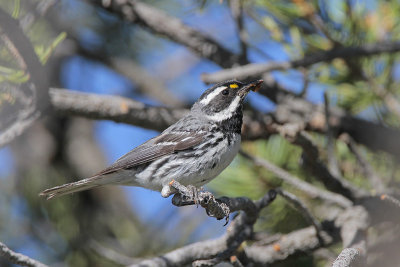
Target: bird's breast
(217, 158)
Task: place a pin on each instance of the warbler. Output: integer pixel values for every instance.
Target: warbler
(192, 151)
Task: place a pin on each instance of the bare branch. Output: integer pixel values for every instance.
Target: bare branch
(296, 110)
(257, 69)
(308, 188)
(114, 108)
(347, 258)
(300, 241)
(111, 254)
(18, 258)
(353, 223)
(239, 230)
(161, 23)
(121, 109)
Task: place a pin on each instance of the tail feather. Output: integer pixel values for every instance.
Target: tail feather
(65, 189)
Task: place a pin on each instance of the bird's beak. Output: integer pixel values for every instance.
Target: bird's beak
(254, 86)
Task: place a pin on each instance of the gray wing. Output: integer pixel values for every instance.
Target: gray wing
(156, 148)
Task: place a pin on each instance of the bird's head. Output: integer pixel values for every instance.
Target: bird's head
(224, 100)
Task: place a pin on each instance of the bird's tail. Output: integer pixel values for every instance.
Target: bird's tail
(65, 189)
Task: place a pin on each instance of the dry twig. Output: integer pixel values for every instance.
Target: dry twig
(18, 258)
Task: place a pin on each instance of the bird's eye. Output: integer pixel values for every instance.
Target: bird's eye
(225, 92)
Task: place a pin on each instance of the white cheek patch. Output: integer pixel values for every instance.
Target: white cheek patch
(211, 95)
(226, 113)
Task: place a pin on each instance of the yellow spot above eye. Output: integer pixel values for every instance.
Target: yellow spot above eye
(233, 85)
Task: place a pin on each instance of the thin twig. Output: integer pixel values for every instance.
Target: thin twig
(18, 258)
(308, 188)
(256, 69)
(111, 254)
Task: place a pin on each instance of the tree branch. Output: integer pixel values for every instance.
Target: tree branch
(161, 23)
(115, 108)
(292, 109)
(239, 230)
(121, 109)
(297, 242)
(257, 69)
(347, 258)
(18, 258)
(308, 188)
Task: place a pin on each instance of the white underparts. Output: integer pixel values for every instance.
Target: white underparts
(211, 95)
(226, 113)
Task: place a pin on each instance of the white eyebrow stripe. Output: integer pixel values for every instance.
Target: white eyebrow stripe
(226, 113)
(211, 95)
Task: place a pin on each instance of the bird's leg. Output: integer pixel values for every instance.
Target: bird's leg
(168, 190)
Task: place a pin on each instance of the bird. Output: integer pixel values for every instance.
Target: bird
(192, 151)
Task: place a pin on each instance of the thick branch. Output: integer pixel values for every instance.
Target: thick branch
(256, 69)
(121, 109)
(161, 23)
(18, 258)
(115, 108)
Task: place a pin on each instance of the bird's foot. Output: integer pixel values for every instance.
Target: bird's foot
(190, 195)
